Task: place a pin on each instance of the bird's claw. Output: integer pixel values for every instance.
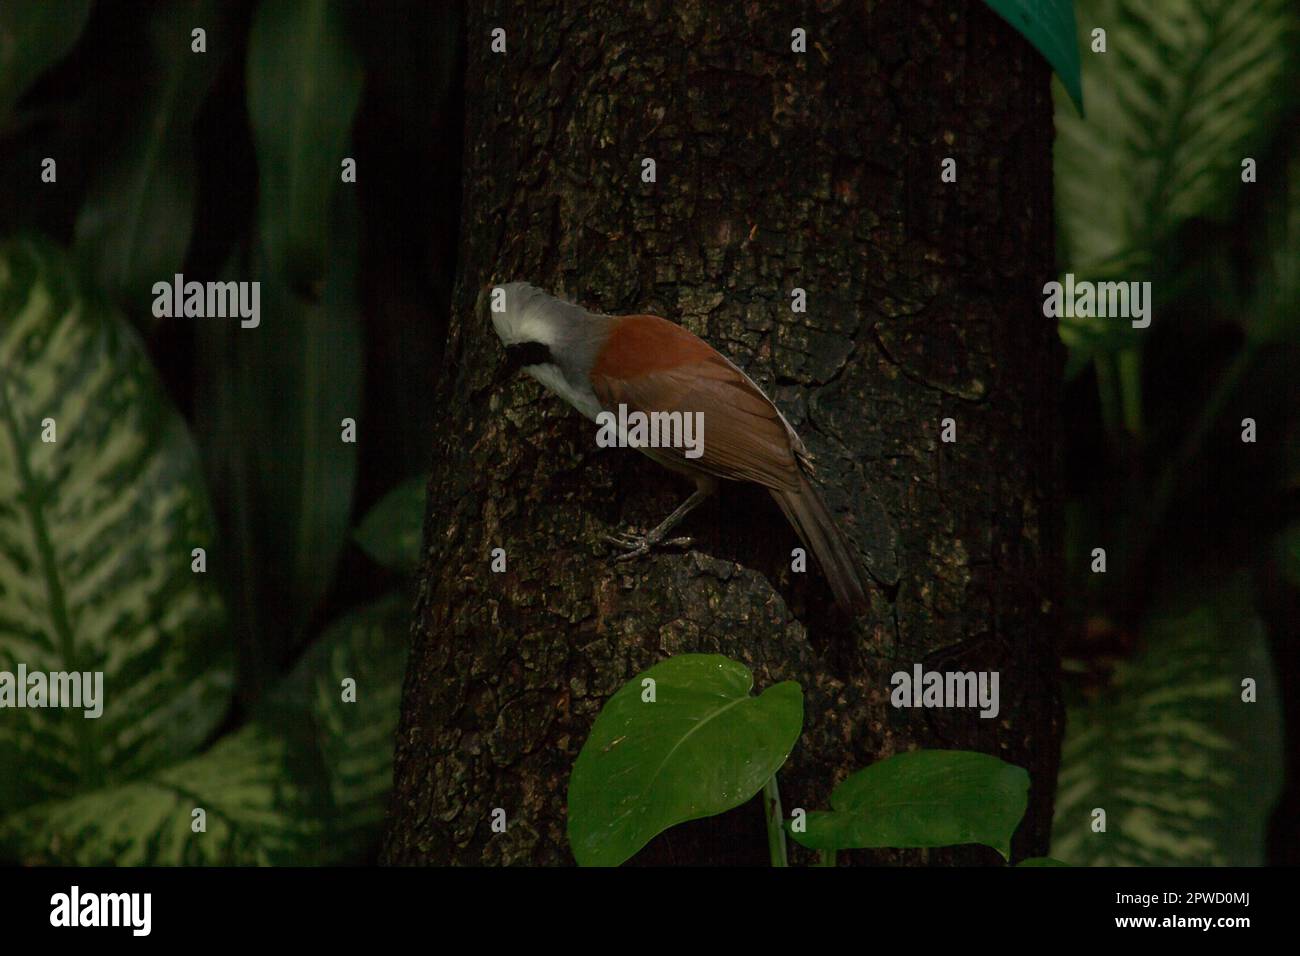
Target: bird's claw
(635, 545)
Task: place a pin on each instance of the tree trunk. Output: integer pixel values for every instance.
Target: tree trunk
(775, 170)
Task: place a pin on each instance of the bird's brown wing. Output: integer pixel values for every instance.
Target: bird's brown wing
(744, 437)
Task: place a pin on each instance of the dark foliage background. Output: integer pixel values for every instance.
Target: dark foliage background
(225, 165)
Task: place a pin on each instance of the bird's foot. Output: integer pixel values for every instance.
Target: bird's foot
(634, 545)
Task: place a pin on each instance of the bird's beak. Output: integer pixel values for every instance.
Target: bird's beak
(526, 353)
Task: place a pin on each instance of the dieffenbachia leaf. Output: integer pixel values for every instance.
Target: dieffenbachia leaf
(348, 690)
(1185, 90)
(256, 789)
(305, 783)
(102, 503)
(1184, 768)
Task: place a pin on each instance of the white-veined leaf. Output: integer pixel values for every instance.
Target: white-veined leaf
(1185, 770)
(256, 789)
(97, 529)
(1186, 90)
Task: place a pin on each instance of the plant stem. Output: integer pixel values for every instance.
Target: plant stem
(775, 828)
(1191, 446)
(1129, 364)
(1107, 393)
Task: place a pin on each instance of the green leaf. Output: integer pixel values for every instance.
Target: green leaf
(391, 532)
(1275, 307)
(305, 783)
(702, 747)
(134, 228)
(1041, 861)
(33, 37)
(96, 533)
(1049, 26)
(1287, 553)
(355, 738)
(1186, 89)
(1186, 771)
(271, 409)
(304, 83)
(1087, 337)
(923, 798)
(248, 785)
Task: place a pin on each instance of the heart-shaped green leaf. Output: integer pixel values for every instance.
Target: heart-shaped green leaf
(924, 798)
(101, 506)
(1049, 26)
(701, 746)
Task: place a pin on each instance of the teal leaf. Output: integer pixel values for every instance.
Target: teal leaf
(391, 532)
(97, 528)
(1186, 771)
(703, 746)
(304, 83)
(1049, 26)
(33, 37)
(134, 228)
(923, 798)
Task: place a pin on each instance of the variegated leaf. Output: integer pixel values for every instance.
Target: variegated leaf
(259, 808)
(355, 739)
(1185, 90)
(1185, 770)
(305, 783)
(97, 529)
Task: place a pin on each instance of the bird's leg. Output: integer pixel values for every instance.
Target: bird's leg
(639, 544)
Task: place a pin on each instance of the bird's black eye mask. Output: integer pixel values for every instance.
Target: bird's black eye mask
(528, 353)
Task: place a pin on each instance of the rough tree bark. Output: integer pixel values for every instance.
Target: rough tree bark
(775, 170)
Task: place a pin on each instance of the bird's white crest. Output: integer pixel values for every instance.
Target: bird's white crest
(530, 316)
(573, 335)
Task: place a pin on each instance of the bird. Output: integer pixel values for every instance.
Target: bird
(649, 364)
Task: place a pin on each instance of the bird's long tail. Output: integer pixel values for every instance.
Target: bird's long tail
(807, 512)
